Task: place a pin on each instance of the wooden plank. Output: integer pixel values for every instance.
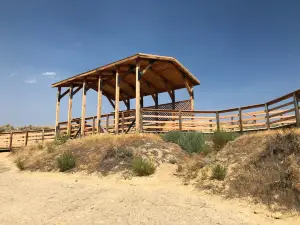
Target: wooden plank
(117, 102)
(252, 106)
(83, 108)
(282, 112)
(280, 99)
(281, 106)
(137, 97)
(284, 119)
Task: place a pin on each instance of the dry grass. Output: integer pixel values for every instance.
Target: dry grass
(100, 153)
(264, 166)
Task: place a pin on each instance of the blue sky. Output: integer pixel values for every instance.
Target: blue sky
(243, 52)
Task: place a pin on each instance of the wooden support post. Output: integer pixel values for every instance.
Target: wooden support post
(173, 99)
(94, 125)
(218, 121)
(297, 114)
(123, 122)
(117, 102)
(192, 98)
(180, 120)
(70, 110)
(142, 102)
(137, 97)
(26, 138)
(11, 141)
(83, 108)
(156, 101)
(99, 103)
(107, 122)
(57, 110)
(267, 116)
(241, 120)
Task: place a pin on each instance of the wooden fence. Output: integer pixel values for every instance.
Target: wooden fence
(281, 112)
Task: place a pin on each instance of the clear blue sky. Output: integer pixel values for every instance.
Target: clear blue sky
(243, 52)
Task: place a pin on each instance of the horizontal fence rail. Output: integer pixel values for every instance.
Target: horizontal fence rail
(280, 112)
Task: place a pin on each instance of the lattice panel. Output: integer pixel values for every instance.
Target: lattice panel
(181, 105)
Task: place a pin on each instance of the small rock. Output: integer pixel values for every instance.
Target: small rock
(277, 215)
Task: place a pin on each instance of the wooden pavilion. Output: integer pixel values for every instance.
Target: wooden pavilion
(133, 77)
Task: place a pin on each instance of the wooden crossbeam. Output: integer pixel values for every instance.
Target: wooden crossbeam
(64, 94)
(167, 83)
(111, 102)
(78, 89)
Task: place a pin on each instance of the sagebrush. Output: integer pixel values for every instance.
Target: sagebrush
(143, 167)
(191, 142)
(66, 161)
(221, 138)
(219, 172)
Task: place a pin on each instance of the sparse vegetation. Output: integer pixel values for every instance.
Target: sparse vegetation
(221, 138)
(61, 139)
(191, 142)
(20, 164)
(66, 161)
(143, 167)
(219, 172)
(272, 175)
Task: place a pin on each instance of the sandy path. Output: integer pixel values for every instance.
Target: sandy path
(52, 198)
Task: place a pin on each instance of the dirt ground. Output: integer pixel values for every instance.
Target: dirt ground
(56, 198)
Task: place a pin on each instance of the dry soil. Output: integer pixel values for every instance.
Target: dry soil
(56, 198)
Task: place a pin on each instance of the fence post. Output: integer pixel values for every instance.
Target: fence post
(180, 120)
(94, 124)
(218, 121)
(26, 138)
(241, 120)
(267, 116)
(296, 110)
(10, 141)
(141, 120)
(107, 122)
(123, 122)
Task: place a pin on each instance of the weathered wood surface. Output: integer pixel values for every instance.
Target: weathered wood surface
(273, 114)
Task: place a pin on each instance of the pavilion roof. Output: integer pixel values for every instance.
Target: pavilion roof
(158, 74)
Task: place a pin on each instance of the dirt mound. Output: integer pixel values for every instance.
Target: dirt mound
(100, 153)
(262, 166)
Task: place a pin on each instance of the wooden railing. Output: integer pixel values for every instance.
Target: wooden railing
(281, 112)
(23, 138)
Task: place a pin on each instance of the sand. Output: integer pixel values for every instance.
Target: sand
(57, 198)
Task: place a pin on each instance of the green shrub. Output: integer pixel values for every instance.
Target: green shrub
(143, 167)
(219, 172)
(192, 142)
(221, 138)
(66, 161)
(20, 164)
(61, 139)
(172, 136)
